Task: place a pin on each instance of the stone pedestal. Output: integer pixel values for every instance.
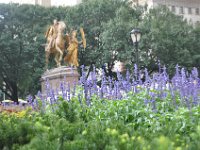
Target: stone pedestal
(57, 75)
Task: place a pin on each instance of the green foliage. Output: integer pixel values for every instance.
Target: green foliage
(105, 124)
(66, 110)
(107, 25)
(22, 38)
(15, 131)
(21, 56)
(22, 30)
(168, 38)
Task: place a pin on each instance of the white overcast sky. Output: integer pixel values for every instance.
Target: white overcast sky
(53, 2)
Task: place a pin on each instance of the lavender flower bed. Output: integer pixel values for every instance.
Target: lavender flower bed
(159, 114)
(183, 89)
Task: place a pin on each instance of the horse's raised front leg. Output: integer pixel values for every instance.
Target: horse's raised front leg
(56, 58)
(59, 56)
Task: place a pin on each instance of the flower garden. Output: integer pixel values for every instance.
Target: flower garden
(159, 113)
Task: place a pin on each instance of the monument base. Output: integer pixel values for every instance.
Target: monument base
(56, 76)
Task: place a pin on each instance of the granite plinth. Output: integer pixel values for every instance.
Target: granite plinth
(56, 76)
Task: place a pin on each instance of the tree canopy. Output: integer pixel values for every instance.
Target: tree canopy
(107, 24)
(168, 38)
(21, 53)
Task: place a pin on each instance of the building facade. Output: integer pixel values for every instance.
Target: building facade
(65, 2)
(45, 3)
(189, 9)
(48, 3)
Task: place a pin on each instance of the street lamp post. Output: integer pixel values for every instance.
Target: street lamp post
(135, 36)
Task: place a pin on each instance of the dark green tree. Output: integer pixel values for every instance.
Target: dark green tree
(21, 50)
(22, 30)
(107, 24)
(166, 37)
(195, 46)
(116, 42)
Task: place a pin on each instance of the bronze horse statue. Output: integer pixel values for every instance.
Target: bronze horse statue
(57, 46)
(58, 43)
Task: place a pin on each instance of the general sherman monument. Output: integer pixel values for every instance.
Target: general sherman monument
(64, 48)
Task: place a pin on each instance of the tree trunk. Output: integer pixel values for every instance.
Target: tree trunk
(10, 89)
(15, 93)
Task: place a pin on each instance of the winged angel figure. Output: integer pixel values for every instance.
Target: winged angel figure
(72, 49)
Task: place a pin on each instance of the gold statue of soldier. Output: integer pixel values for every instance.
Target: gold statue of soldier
(58, 43)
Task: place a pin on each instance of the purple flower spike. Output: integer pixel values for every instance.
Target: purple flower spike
(68, 92)
(195, 73)
(136, 71)
(159, 66)
(80, 99)
(30, 99)
(39, 95)
(74, 89)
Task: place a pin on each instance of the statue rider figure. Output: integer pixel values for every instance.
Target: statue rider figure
(51, 34)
